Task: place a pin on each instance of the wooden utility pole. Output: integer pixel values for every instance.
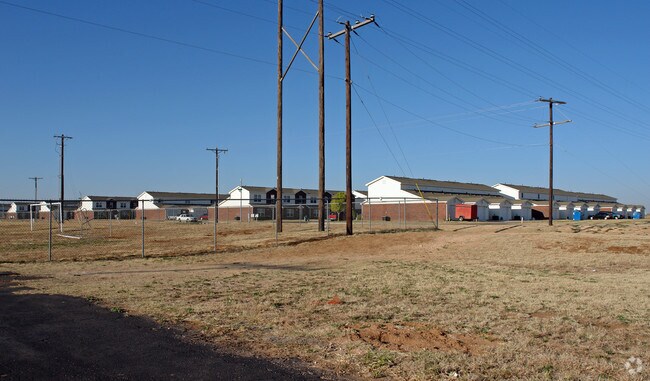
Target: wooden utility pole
(62, 194)
(348, 118)
(278, 197)
(550, 124)
(281, 76)
(35, 186)
(321, 120)
(216, 151)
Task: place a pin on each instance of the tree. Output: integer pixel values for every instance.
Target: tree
(337, 205)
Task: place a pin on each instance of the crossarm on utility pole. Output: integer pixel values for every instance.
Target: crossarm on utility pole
(299, 46)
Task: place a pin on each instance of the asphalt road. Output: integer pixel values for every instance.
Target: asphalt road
(55, 337)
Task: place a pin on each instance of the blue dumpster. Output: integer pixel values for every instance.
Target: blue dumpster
(636, 215)
(577, 215)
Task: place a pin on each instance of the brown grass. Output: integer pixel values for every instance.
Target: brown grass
(104, 239)
(472, 301)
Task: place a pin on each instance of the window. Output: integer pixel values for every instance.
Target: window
(257, 198)
(286, 199)
(123, 205)
(312, 200)
(289, 212)
(98, 205)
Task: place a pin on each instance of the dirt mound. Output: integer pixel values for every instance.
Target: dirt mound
(627, 249)
(409, 337)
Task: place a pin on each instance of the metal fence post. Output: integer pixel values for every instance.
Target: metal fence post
(49, 242)
(142, 228)
(327, 208)
(369, 213)
(215, 225)
(437, 225)
(399, 215)
(275, 214)
(110, 223)
(404, 212)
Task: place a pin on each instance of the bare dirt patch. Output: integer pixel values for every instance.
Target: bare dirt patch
(409, 337)
(629, 249)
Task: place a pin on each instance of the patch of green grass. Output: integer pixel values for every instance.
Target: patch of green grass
(378, 361)
(547, 370)
(623, 319)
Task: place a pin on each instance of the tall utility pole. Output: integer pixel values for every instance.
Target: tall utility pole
(321, 120)
(216, 151)
(35, 186)
(550, 125)
(281, 75)
(348, 117)
(62, 194)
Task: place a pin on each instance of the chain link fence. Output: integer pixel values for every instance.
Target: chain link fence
(50, 230)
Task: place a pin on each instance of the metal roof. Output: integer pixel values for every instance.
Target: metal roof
(442, 184)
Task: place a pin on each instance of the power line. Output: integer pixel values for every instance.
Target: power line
(421, 78)
(570, 45)
(139, 34)
(432, 122)
(515, 65)
(548, 55)
(458, 63)
(379, 131)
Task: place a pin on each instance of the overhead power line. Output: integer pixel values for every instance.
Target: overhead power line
(515, 65)
(139, 34)
(535, 48)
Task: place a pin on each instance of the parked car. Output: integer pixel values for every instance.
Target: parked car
(186, 218)
(204, 217)
(605, 216)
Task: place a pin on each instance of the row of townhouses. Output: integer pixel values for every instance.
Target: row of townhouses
(387, 197)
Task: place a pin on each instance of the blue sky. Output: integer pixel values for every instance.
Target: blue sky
(443, 90)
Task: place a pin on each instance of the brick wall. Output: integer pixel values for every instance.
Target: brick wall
(414, 211)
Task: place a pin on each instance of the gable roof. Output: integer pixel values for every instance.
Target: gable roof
(432, 196)
(443, 184)
(107, 198)
(285, 191)
(581, 196)
(183, 196)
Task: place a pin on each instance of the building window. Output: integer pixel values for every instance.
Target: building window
(123, 205)
(98, 205)
(312, 200)
(286, 199)
(289, 212)
(257, 198)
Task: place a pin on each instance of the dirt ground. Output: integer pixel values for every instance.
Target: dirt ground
(488, 301)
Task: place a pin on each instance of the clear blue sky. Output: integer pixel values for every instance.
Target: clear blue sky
(144, 87)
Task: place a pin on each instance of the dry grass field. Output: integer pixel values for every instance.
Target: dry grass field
(469, 302)
(104, 239)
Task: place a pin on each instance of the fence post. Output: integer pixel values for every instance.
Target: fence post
(110, 223)
(437, 225)
(49, 242)
(404, 212)
(327, 209)
(216, 216)
(142, 228)
(399, 215)
(369, 213)
(275, 214)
